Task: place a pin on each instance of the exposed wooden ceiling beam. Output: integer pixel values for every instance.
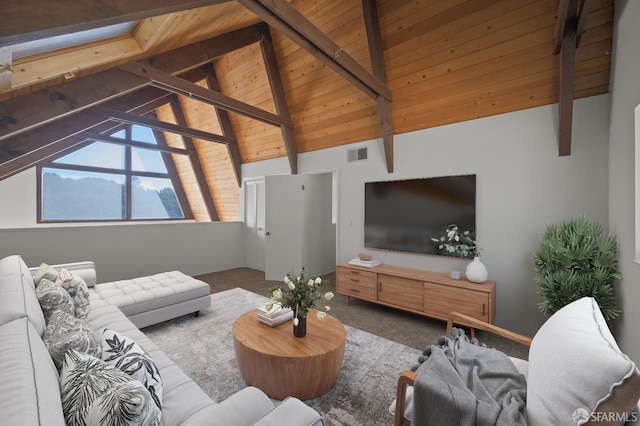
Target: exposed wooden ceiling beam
(565, 98)
(201, 178)
(172, 170)
(135, 144)
(225, 125)
(28, 20)
(569, 27)
(59, 138)
(566, 12)
(561, 23)
(286, 19)
(374, 39)
(24, 113)
(279, 99)
(180, 86)
(125, 117)
(585, 7)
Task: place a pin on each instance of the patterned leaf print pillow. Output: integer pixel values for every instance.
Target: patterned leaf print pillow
(52, 297)
(64, 331)
(96, 393)
(125, 354)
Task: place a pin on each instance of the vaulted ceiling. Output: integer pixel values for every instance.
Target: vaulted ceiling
(233, 82)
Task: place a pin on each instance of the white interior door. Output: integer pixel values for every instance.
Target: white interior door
(284, 208)
(319, 245)
(254, 233)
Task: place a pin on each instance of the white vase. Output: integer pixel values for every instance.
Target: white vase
(476, 271)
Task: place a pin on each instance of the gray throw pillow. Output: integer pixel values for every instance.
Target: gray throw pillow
(52, 297)
(64, 332)
(96, 393)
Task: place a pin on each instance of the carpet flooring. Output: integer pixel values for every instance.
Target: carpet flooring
(406, 328)
(203, 347)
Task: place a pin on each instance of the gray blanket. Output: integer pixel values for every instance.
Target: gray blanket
(461, 383)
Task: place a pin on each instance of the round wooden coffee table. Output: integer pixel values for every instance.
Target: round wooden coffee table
(280, 364)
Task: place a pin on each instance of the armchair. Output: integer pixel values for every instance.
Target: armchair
(575, 372)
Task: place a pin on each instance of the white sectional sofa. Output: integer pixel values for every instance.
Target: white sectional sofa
(145, 300)
(30, 389)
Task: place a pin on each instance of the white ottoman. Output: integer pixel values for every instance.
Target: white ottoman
(155, 298)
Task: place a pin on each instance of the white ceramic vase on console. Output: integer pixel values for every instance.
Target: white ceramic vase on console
(476, 271)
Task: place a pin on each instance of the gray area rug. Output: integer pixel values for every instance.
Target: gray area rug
(203, 348)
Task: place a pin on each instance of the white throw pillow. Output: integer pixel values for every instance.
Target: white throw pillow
(125, 354)
(96, 393)
(77, 289)
(577, 373)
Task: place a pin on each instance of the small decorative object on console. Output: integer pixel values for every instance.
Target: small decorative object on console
(476, 272)
(371, 263)
(461, 243)
(300, 295)
(365, 257)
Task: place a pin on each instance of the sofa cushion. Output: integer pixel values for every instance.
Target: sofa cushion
(182, 398)
(86, 269)
(77, 289)
(52, 297)
(64, 332)
(18, 294)
(45, 271)
(29, 386)
(148, 293)
(125, 354)
(96, 393)
(577, 372)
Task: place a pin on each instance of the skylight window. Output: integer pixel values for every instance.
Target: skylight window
(35, 47)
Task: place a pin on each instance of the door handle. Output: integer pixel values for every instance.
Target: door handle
(267, 233)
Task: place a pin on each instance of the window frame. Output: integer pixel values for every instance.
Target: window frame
(128, 174)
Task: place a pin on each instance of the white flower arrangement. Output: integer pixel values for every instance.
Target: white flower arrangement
(300, 295)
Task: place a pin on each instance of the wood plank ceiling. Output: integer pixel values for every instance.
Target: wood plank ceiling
(443, 62)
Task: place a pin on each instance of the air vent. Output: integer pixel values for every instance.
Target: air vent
(357, 154)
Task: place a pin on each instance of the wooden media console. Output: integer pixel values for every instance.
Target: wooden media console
(427, 293)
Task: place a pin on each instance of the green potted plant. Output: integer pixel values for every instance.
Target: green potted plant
(456, 241)
(576, 259)
(460, 242)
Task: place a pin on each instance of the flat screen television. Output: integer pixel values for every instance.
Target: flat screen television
(403, 215)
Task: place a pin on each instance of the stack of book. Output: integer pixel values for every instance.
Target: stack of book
(274, 316)
(372, 263)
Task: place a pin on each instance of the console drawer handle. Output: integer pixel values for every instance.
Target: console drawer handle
(355, 290)
(354, 280)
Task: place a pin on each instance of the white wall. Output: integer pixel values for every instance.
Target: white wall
(522, 185)
(119, 250)
(625, 96)
(128, 251)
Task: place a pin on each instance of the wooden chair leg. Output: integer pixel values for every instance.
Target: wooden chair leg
(196, 314)
(407, 378)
